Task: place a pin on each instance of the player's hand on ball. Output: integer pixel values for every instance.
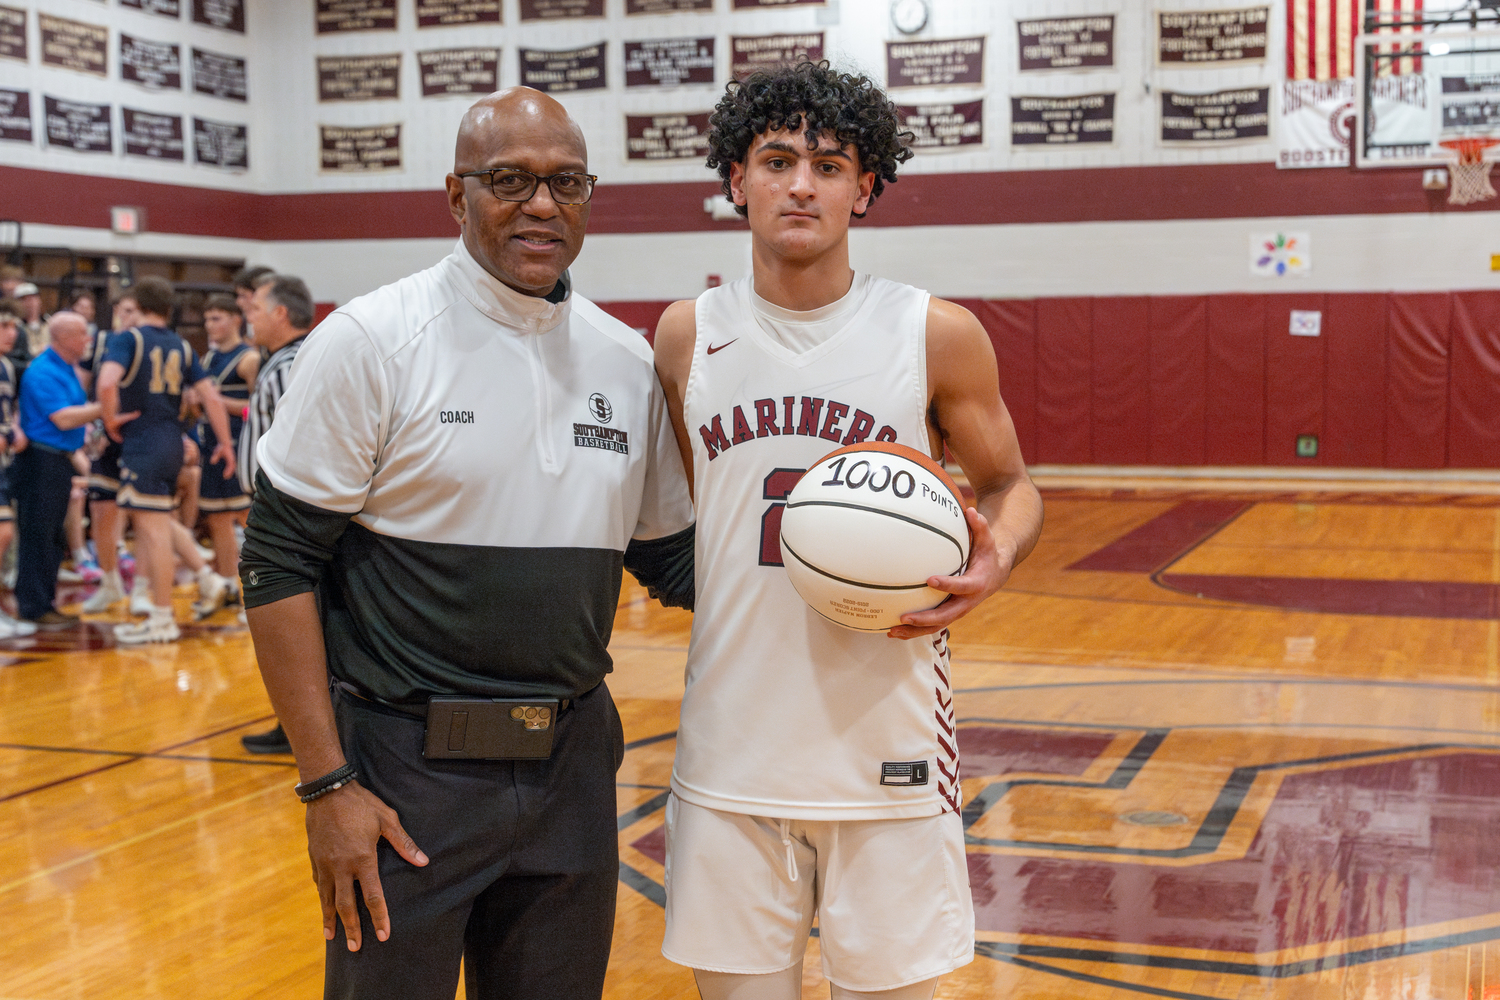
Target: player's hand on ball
(987, 572)
(343, 830)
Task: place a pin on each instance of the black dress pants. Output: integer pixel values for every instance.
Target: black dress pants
(41, 479)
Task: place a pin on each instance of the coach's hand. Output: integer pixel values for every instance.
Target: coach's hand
(113, 424)
(343, 830)
(988, 570)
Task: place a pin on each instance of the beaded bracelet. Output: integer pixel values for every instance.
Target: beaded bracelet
(330, 782)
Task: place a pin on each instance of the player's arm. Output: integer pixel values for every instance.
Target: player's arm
(966, 411)
(249, 367)
(676, 333)
(218, 419)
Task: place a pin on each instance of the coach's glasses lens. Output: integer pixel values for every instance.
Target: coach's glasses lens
(520, 185)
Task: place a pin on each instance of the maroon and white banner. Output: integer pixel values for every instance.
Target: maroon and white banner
(1223, 116)
(570, 69)
(166, 8)
(356, 15)
(439, 13)
(369, 149)
(226, 14)
(1211, 37)
(15, 115)
(762, 4)
(1067, 42)
(1315, 123)
(359, 78)
(74, 45)
(221, 144)
(943, 126)
(153, 136)
(84, 128)
(1062, 121)
(157, 65)
(13, 34)
(546, 10)
(666, 137)
(667, 62)
(458, 71)
(667, 6)
(941, 62)
(219, 75)
(748, 53)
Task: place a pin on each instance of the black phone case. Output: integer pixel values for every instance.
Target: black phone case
(490, 728)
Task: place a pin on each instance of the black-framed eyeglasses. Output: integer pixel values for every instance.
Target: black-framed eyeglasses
(509, 184)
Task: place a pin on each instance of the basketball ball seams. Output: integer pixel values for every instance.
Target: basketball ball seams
(885, 513)
(855, 583)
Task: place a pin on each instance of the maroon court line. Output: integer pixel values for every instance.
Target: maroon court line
(1165, 538)
(1395, 598)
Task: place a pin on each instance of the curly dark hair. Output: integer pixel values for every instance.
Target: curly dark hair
(853, 108)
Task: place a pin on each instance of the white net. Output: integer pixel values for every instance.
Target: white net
(1470, 182)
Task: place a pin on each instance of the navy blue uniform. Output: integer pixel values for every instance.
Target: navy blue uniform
(7, 429)
(157, 363)
(104, 471)
(217, 493)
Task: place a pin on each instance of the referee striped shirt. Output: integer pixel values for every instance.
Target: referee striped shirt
(270, 385)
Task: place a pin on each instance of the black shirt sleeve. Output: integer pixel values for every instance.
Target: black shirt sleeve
(288, 544)
(664, 566)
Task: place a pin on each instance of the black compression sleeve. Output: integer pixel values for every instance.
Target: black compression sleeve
(287, 545)
(664, 566)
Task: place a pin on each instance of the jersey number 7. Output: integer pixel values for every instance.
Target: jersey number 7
(777, 485)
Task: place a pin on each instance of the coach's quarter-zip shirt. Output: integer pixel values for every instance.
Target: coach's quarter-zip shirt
(488, 457)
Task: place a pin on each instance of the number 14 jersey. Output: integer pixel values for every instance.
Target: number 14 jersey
(786, 714)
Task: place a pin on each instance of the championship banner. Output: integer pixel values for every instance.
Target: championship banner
(74, 45)
(440, 13)
(157, 65)
(748, 53)
(359, 78)
(356, 15)
(1067, 43)
(1471, 101)
(546, 10)
(666, 137)
(13, 34)
(221, 144)
(166, 8)
(569, 69)
(84, 128)
(1211, 37)
(226, 14)
(1315, 125)
(219, 75)
(943, 126)
(372, 149)
(667, 6)
(15, 115)
(1046, 122)
(669, 62)
(458, 71)
(1225, 116)
(155, 137)
(938, 63)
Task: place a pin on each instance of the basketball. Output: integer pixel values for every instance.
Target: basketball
(864, 529)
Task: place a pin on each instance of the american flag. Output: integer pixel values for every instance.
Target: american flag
(1320, 36)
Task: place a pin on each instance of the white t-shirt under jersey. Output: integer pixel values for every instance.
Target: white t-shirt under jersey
(786, 714)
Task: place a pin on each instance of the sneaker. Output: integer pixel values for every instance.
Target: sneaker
(15, 629)
(127, 561)
(89, 571)
(140, 597)
(213, 591)
(52, 620)
(153, 629)
(274, 741)
(66, 575)
(108, 594)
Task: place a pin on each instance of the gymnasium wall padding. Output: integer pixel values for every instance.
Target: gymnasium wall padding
(1064, 361)
(1394, 380)
(1235, 404)
(1416, 415)
(1296, 374)
(1179, 368)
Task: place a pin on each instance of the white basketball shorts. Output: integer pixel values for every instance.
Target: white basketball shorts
(891, 895)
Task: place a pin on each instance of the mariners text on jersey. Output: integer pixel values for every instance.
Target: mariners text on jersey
(810, 414)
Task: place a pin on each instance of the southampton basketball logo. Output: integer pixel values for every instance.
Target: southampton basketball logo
(600, 408)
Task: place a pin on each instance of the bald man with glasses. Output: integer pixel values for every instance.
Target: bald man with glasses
(461, 464)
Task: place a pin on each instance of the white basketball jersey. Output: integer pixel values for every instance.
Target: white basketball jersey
(786, 714)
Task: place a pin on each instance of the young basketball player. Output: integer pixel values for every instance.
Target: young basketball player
(817, 769)
(140, 392)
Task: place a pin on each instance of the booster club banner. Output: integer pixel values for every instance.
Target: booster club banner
(1225, 116)
(666, 137)
(1062, 121)
(1315, 125)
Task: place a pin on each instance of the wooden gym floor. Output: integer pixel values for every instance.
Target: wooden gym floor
(1221, 743)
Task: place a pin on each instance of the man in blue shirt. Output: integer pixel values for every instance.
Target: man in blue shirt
(54, 412)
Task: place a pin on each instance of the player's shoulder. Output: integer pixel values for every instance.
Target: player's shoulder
(608, 328)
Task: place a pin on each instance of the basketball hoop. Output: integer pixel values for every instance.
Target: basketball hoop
(1471, 174)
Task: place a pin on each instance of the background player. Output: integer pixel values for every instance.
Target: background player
(106, 522)
(144, 370)
(12, 440)
(232, 364)
(816, 770)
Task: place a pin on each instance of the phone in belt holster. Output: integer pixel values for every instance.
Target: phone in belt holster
(460, 728)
